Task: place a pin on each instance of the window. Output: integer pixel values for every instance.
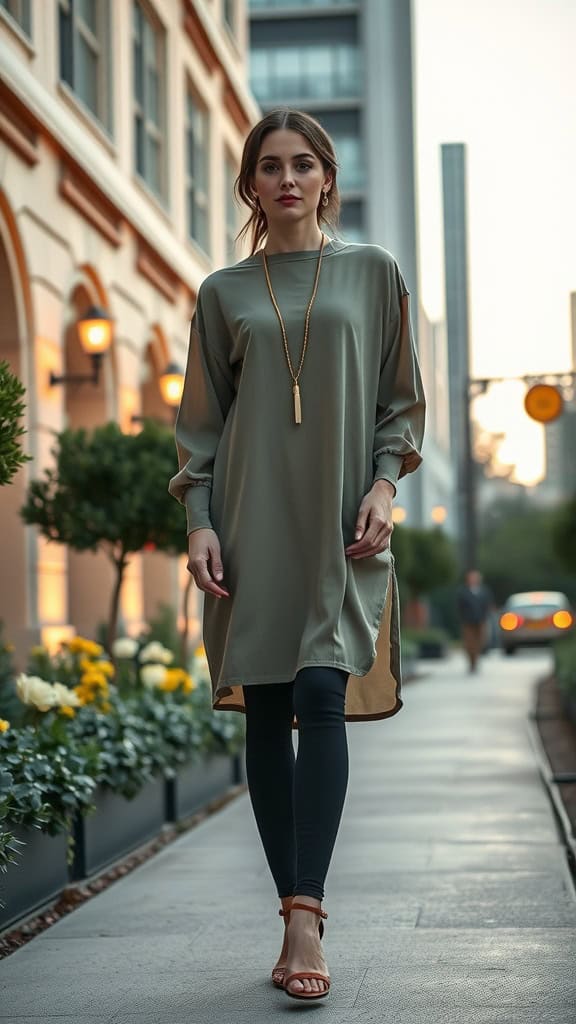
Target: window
(231, 210)
(351, 221)
(83, 26)
(229, 14)
(313, 71)
(258, 5)
(350, 159)
(149, 99)
(197, 171)
(19, 10)
(345, 129)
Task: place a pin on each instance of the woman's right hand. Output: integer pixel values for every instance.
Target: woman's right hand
(205, 562)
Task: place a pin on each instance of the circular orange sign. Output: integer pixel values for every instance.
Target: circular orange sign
(543, 402)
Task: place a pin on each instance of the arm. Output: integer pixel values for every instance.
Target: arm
(399, 427)
(400, 415)
(206, 399)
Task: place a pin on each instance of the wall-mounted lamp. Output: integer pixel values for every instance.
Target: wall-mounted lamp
(171, 387)
(172, 384)
(95, 333)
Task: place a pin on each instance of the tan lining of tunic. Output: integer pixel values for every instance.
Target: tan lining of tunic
(369, 697)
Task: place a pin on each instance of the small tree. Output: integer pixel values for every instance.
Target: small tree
(108, 491)
(433, 560)
(11, 410)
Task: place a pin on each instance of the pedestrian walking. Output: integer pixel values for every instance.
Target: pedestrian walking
(302, 406)
(475, 603)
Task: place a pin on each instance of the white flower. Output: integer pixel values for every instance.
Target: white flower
(153, 675)
(124, 647)
(35, 691)
(155, 651)
(65, 697)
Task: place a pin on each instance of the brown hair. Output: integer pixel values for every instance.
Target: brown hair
(321, 143)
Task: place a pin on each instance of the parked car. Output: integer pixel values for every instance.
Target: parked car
(534, 618)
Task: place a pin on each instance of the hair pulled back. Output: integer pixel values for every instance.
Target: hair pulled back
(321, 144)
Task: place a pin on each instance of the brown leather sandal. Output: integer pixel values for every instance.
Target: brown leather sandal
(306, 975)
(279, 972)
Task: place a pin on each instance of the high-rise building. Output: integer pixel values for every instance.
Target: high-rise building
(349, 64)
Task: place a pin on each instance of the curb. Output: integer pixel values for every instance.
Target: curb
(550, 780)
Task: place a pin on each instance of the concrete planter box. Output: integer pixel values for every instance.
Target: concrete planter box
(40, 874)
(568, 701)
(117, 827)
(197, 783)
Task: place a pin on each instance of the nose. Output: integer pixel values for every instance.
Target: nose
(287, 178)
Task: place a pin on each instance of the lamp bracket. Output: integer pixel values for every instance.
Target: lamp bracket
(92, 378)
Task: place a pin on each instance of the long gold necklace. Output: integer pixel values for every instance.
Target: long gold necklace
(295, 376)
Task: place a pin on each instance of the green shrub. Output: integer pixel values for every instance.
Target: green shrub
(565, 664)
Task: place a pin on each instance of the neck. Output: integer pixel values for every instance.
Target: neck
(299, 239)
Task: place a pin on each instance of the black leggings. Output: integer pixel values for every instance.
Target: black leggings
(298, 800)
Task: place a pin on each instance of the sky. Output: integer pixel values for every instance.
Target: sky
(500, 76)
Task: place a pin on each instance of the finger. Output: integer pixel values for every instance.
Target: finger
(216, 567)
(204, 581)
(370, 537)
(377, 545)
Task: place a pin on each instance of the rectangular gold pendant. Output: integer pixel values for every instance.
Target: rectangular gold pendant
(297, 405)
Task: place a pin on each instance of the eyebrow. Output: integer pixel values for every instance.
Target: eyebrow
(297, 157)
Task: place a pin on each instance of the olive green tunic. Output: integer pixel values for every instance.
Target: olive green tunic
(283, 498)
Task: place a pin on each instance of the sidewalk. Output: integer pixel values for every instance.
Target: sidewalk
(449, 898)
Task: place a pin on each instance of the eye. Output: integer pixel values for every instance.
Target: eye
(306, 165)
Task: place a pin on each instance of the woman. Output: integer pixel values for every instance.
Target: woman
(302, 406)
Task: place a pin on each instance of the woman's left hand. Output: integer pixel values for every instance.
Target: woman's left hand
(374, 523)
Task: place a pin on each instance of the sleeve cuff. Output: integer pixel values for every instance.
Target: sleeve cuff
(197, 501)
(388, 467)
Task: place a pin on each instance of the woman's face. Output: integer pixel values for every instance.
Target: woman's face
(287, 165)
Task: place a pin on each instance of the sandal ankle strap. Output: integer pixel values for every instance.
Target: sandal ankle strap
(313, 910)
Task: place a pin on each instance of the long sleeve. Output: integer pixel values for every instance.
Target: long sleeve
(206, 399)
(401, 406)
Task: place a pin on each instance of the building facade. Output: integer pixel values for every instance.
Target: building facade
(121, 130)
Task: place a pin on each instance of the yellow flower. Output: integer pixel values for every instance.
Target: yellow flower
(4, 725)
(68, 711)
(200, 651)
(9, 647)
(94, 679)
(106, 667)
(79, 645)
(176, 677)
(105, 706)
(88, 692)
